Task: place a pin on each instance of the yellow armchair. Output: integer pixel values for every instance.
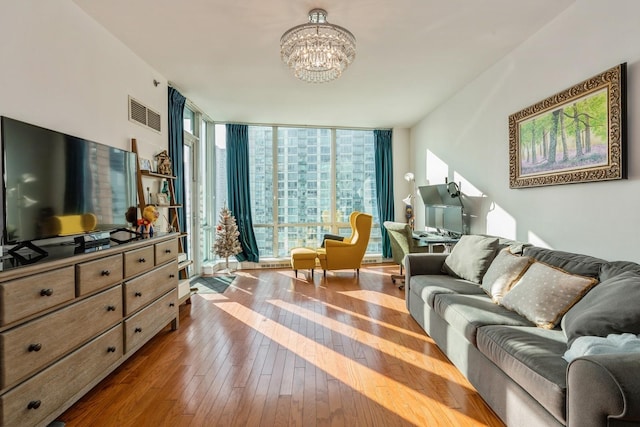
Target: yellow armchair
(347, 254)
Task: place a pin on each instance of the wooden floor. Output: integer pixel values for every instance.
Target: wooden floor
(273, 350)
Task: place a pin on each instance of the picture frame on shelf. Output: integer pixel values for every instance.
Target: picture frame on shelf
(159, 199)
(577, 135)
(145, 164)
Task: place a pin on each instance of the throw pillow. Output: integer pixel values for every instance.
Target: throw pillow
(503, 272)
(470, 257)
(609, 308)
(545, 293)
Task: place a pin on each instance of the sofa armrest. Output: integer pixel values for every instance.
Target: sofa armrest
(604, 390)
(417, 264)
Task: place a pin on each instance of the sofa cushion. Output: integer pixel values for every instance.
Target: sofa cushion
(470, 257)
(532, 357)
(614, 268)
(544, 294)
(584, 265)
(428, 286)
(466, 313)
(503, 272)
(609, 308)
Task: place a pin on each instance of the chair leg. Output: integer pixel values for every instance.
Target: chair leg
(296, 273)
(358, 272)
(324, 274)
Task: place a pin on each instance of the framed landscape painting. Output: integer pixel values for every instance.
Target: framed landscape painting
(577, 135)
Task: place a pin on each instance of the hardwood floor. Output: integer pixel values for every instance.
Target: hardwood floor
(278, 351)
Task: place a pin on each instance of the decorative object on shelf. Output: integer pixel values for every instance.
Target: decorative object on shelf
(150, 215)
(145, 164)
(164, 163)
(165, 190)
(132, 216)
(578, 135)
(317, 51)
(227, 243)
(159, 199)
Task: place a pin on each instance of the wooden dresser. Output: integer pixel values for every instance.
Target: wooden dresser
(66, 323)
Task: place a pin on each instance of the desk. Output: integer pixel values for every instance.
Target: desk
(431, 240)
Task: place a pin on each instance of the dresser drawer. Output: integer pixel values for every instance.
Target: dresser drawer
(145, 324)
(95, 275)
(143, 289)
(34, 400)
(166, 251)
(21, 298)
(138, 261)
(27, 348)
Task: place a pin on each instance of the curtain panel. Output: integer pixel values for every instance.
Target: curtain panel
(238, 189)
(384, 184)
(176, 150)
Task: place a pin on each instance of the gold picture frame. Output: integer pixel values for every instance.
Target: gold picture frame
(577, 135)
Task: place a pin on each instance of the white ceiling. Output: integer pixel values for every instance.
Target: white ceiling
(411, 54)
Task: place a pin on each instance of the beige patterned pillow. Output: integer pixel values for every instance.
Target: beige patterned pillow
(503, 272)
(545, 293)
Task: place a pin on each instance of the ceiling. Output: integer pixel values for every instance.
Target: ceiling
(411, 54)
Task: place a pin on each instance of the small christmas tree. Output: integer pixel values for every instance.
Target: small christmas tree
(227, 243)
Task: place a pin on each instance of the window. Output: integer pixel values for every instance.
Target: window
(188, 118)
(304, 183)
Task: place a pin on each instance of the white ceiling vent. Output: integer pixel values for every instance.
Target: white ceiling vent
(143, 115)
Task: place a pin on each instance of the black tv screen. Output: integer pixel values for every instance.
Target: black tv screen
(48, 175)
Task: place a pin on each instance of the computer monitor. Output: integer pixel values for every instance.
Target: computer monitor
(445, 219)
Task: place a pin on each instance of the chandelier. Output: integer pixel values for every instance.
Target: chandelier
(317, 51)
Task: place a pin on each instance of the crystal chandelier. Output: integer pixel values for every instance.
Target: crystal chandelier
(317, 51)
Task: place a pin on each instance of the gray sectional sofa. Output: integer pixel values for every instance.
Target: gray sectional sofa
(516, 365)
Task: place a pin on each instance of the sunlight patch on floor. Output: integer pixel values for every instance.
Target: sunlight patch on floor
(390, 348)
(370, 383)
(417, 335)
(377, 298)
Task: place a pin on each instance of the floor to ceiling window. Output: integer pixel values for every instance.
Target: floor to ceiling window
(198, 184)
(304, 183)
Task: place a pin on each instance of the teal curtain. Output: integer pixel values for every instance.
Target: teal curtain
(176, 151)
(384, 184)
(238, 189)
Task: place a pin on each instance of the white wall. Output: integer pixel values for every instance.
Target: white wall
(61, 70)
(466, 138)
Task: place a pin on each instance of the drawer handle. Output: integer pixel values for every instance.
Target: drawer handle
(141, 260)
(34, 404)
(105, 272)
(46, 292)
(136, 330)
(171, 276)
(167, 251)
(111, 349)
(171, 304)
(35, 347)
(138, 294)
(111, 308)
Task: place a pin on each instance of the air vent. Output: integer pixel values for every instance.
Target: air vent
(143, 115)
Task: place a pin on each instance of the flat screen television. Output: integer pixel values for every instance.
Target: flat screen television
(49, 174)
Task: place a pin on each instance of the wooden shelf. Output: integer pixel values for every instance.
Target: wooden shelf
(156, 175)
(174, 209)
(184, 264)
